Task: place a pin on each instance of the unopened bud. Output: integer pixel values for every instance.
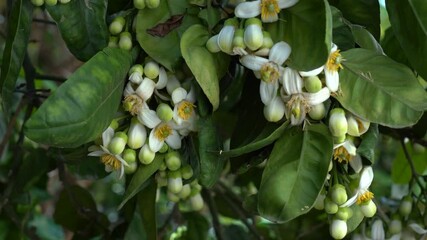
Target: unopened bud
(139, 4)
(164, 112)
(186, 172)
(330, 206)
(344, 213)
(174, 182)
(185, 192)
(253, 36)
(312, 84)
(131, 167)
(212, 44)
(196, 202)
(267, 42)
(137, 134)
(368, 209)
(129, 155)
(338, 229)
(317, 112)
(125, 41)
(118, 143)
(405, 207)
(146, 156)
(51, 2)
(173, 160)
(275, 110)
(152, 3)
(37, 3)
(151, 69)
(339, 194)
(117, 25)
(338, 122)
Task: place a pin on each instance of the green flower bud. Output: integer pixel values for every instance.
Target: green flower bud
(151, 69)
(339, 194)
(137, 134)
(405, 207)
(312, 84)
(51, 2)
(338, 229)
(196, 202)
(163, 166)
(275, 110)
(173, 160)
(139, 4)
(164, 148)
(338, 122)
(118, 143)
(131, 168)
(173, 197)
(161, 178)
(185, 192)
(320, 202)
(267, 42)
(146, 156)
(117, 25)
(125, 41)
(136, 68)
(368, 209)
(114, 124)
(330, 206)
(164, 112)
(174, 182)
(186, 172)
(64, 1)
(212, 44)
(238, 38)
(395, 226)
(113, 42)
(339, 139)
(37, 3)
(253, 36)
(129, 155)
(344, 213)
(317, 112)
(152, 3)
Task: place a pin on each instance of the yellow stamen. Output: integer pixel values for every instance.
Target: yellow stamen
(334, 61)
(132, 104)
(366, 196)
(269, 72)
(269, 9)
(341, 155)
(185, 110)
(162, 132)
(111, 161)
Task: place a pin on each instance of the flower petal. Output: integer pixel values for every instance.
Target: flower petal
(286, 3)
(145, 89)
(356, 163)
(178, 95)
(279, 53)
(292, 82)
(248, 9)
(253, 62)
(163, 79)
(136, 77)
(332, 80)
(268, 91)
(350, 201)
(107, 135)
(191, 96)
(172, 84)
(318, 97)
(128, 89)
(148, 117)
(174, 140)
(96, 153)
(311, 73)
(225, 39)
(154, 143)
(366, 178)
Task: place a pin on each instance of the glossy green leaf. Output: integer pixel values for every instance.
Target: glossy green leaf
(401, 170)
(365, 39)
(342, 35)
(368, 145)
(85, 104)
(307, 27)
(197, 226)
(146, 201)
(141, 175)
(209, 144)
(380, 90)
(295, 173)
(211, 16)
(361, 12)
(409, 23)
(82, 26)
(201, 62)
(15, 49)
(165, 49)
(392, 48)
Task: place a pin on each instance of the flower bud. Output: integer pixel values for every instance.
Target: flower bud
(226, 35)
(368, 209)
(173, 197)
(146, 156)
(338, 229)
(267, 41)
(317, 112)
(186, 172)
(212, 44)
(139, 4)
(161, 178)
(164, 112)
(117, 25)
(185, 192)
(173, 160)
(151, 69)
(152, 3)
(131, 167)
(395, 226)
(125, 41)
(253, 36)
(238, 39)
(196, 202)
(338, 123)
(129, 155)
(377, 231)
(137, 134)
(339, 139)
(114, 124)
(51, 2)
(275, 110)
(344, 213)
(64, 1)
(37, 3)
(356, 126)
(174, 182)
(339, 194)
(405, 207)
(135, 73)
(312, 84)
(330, 206)
(113, 42)
(164, 148)
(319, 204)
(118, 143)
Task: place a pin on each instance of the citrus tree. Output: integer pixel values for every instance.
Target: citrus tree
(213, 119)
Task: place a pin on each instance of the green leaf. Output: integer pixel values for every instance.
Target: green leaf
(201, 62)
(356, 219)
(342, 35)
(15, 49)
(166, 49)
(82, 26)
(409, 23)
(211, 16)
(146, 201)
(85, 104)
(361, 12)
(365, 39)
(401, 170)
(295, 173)
(377, 89)
(197, 226)
(143, 173)
(210, 163)
(368, 145)
(307, 27)
(392, 47)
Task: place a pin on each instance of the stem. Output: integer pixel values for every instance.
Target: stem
(50, 78)
(213, 210)
(415, 175)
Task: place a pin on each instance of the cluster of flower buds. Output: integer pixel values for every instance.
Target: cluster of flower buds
(141, 4)
(39, 3)
(120, 37)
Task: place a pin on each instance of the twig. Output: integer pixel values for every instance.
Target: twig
(38, 20)
(50, 78)
(415, 175)
(212, 208)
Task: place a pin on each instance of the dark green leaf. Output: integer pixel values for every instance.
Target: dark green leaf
(201, 62)
(295, 173)
(211, 16)
(82, 26)
(392, 47)
(146, 201)
(143, 173)
(409, 23)
(209, 144)
(165, 50)
(197, 226)
(377, 89)
(366, 149)
(365, 39)
(15, 49)
(307, 27)
(342, 35)
(85, 104)
(401, 170)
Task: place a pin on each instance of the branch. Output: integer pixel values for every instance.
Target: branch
(214, 212)
(415, 175)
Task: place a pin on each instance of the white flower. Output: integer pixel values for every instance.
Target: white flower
(270, 69)
(163, 79)
(362, 193)
(111, 161)
(161, 132)
(346, 152)
(298, 103)
(184, 109)
(268, 9)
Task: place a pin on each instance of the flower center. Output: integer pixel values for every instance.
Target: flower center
(334, 61)
(185, 110)
(269, 72)
(132, 104)
(269, 8)
(163, 131)
(111, 161)
(342, 155)
(366, 196)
